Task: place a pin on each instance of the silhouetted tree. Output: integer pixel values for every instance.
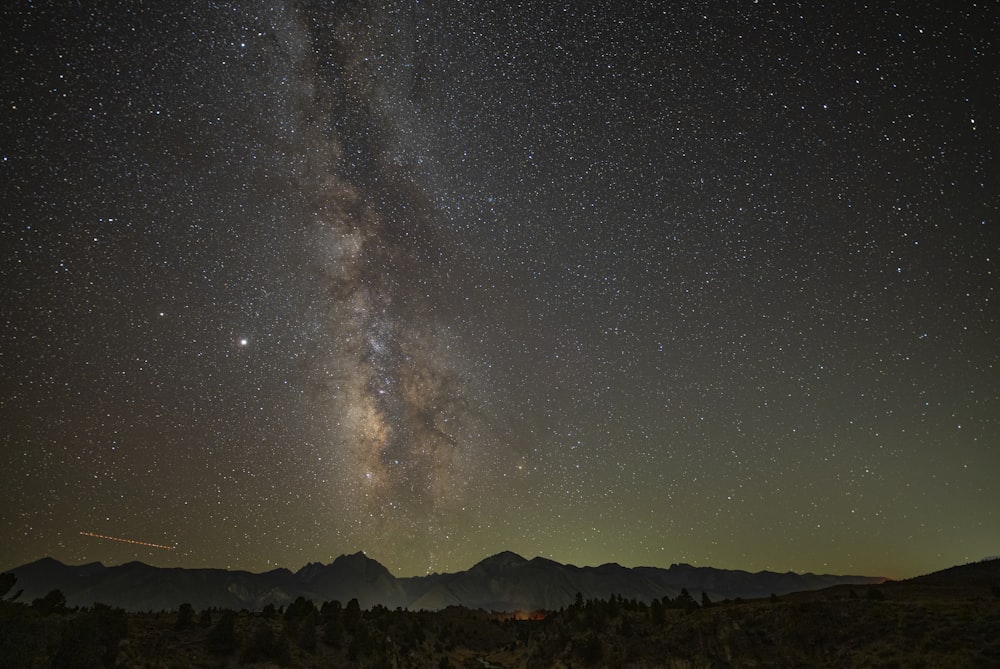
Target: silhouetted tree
(656, 612)
(685, 601)
(705, 601)
(269, 612)
(54, 602)
(613, 606)
(330, 610)
(185, 616)
(352, 615)
(205, 619)
(299, 609)
(7, 582)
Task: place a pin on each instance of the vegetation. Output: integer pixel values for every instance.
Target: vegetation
(891, 625)
(185, 617)
(48, 634)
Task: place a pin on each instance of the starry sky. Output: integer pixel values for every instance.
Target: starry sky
(639, 282)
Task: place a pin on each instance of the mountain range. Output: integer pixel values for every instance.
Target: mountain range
(503, 582)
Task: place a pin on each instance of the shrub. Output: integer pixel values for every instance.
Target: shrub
(265, 645)
(222, 637)
(185, 616)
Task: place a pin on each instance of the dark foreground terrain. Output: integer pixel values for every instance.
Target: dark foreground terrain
(947, 619)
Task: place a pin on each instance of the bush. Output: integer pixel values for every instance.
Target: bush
(875, 595)
(222, 637)
(593, 650)
(22, 635)
(185, 617)
(307, 633)
(90, 638)
(205, 619)
(265, 645)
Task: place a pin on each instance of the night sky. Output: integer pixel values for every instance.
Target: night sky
(639, 282)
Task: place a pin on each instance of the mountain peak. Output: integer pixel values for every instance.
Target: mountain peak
(310, 570)
(363, 566)
(539, 561)
(358, 558)
(45, 562)
(503, 560)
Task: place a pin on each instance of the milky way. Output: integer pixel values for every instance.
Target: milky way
(390, 376)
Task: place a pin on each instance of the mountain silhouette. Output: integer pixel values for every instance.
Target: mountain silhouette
(503, 582)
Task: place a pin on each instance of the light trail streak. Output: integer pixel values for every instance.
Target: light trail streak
(127, 541)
